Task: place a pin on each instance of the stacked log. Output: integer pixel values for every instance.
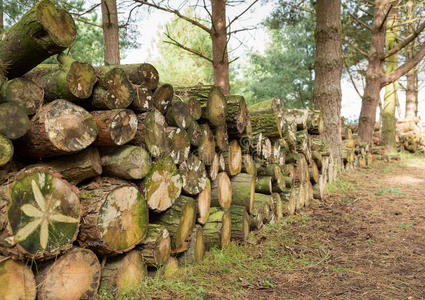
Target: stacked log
(410, 135)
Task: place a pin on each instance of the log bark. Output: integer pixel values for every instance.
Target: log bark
(114, 90)
(218, 229)
(239, 223)
(162, 186)
(141, 74)
(204, 203)
(78, 167)
(42, 215)
(156, 247)
(70, 79)
(193, 174)
(179, 220)
(126, 162)
(170, 268)
(178, 114)
(14, 122)
(267, 124)
(206, 149)
(315, 123)
(114, 216)
(314, 172)
(60, 127)
(196, 250)
(243, 189)
(6, 150)
(233, 158)
(221, 191)
(122, 274)
(43, 31)
(179, 143)
(115, 127)
(277, 209)
(195, 108)
(237, 114)
(163, 97)
(16, 280)
(24, 92)
(263, 205)
(110, 27)
(75, 275)
(297, 118)
(288, 202)
(272, 106)
(264, 185)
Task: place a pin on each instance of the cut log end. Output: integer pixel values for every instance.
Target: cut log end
(14, 122)
(23, 92)
(204, 203)
(81, 79)
(16, 281)
(193, 175)
(221, 191)
(6, 150)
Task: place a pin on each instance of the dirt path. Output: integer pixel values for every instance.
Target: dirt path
(365, 241)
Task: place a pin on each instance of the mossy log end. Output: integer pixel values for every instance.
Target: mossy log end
(179, 220)
(196, 249)
(178, 114)
(163, 185)
(115, 127)
(195, 108)
(126, 162)
(122, 274)
(237, 114)
(277, 208)
(23, 92)
(151, 133)
(75, 275)
(179, 143)
(221, 191)
(78, 167)
(263, 205)
(163, 97)
(143, 100)
(204, 203)
(43, 31)
(113, 91)
(243, 189)
(60, 127)
(239, 223)
(70, 79)
(195, 134)
(206, 149)
(141, 74)
(218, 228)
(6, 150)
(114, 216)
(16, 280)
(288, 202)
(193, 174)
(42, 217)
(156, 247)
(14, 122)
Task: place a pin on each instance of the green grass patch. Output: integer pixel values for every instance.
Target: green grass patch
(339, 186)
(405, 226)
(389, 190)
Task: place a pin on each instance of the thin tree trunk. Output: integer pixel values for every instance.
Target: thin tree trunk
(110, 32)
(390, 98)
(1, 16)
(219, 45)
(328, 68)
(411, 91)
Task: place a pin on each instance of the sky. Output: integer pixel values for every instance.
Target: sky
(256, 40)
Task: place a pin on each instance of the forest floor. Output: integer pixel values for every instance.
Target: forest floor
(365, 240)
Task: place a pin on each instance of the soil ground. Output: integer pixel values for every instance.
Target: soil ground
(365, 240)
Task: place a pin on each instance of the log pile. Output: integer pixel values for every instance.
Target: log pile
(355, 154)
(104, 173)
(410, 135)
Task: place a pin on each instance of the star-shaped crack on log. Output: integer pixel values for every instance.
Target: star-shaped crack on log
(43, 215)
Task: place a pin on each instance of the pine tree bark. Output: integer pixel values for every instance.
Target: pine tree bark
(328, 69)
(110, 32)
(412, 76)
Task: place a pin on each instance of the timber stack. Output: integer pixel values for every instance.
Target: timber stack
(105, 173)
(410, 135)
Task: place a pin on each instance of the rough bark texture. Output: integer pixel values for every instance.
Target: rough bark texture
(75, 275)
(196, 250)
(219, 45)
(217, 229)
(156, 247)
(239, 223)
(237, 114)
(144, 75)
(16, 280)
(43, 31)
(243, 189)
(42, 217)
(114, 216)
(110, 32)
(328, 68)
(412, 76)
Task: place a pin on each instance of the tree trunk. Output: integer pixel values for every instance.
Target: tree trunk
(14, 122)
(114, 216)
(115, 127)
(42, 32)
(243, 189)
(179, 220)
(6, 150)
(156, 247)
(122, 274)
(217, 229)
(75, 275)
(16, 280)
(163, 185)
(110, 32)
(126, 162)
(221, 191)
(193, 174)
(390, 98)
(204, 203)
(412, 75)
(328, 68)
(219, 45)
(23, 92)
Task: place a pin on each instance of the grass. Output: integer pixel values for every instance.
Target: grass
(340, 186)
(389, 190)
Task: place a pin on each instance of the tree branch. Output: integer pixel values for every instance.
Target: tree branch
(406, 67)
(87, 11)
(178, 44)
(177, 13)
(87, 22)
(404, 43)
(356, 48)
(386, 16)
(360, 21)
(351, 78)
(242, 13)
